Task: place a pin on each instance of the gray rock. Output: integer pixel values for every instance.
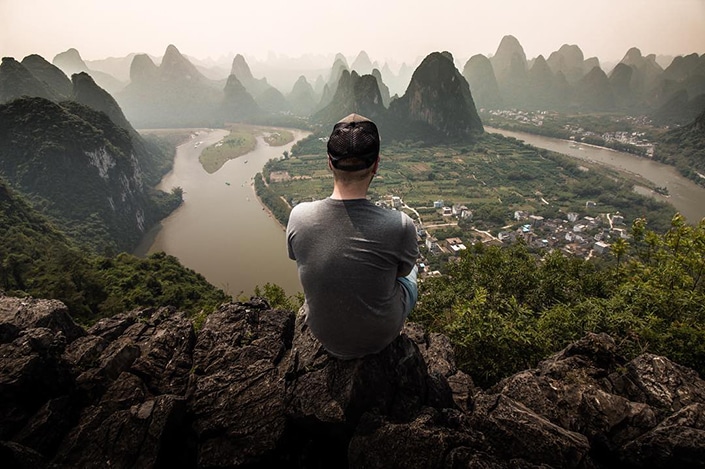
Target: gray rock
(28, 313)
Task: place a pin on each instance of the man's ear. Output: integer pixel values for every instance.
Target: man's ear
(376, 166)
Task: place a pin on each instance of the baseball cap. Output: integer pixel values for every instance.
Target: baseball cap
(355, 136)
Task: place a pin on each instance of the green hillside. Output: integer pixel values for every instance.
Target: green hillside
(88, 175)
(38, 260)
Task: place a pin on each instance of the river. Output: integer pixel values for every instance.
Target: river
(686, 196)
(221, 230)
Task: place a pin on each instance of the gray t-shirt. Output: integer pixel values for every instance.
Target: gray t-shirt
(349, 254)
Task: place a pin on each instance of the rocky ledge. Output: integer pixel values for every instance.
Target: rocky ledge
(253, 389)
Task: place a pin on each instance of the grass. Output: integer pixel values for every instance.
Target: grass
(236, 144)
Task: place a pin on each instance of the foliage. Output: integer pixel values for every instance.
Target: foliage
(681, 147)
(278, 299)
(684, 148)
(278, 138)
(159, 280)
(505, 309)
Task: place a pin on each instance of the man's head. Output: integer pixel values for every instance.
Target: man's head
(354, 144)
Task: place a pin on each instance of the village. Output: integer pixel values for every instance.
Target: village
(578, 134)
(576, 235)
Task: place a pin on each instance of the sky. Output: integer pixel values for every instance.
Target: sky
(388, 30)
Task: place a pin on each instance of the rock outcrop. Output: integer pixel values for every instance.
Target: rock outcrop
(302, 98)
(252, 388)
(173, 94)
(354, 93)
(482, 81)
(438, 99)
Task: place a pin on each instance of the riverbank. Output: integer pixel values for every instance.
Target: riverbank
(684, 195)
(269, 213)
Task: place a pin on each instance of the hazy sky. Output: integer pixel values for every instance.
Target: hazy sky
(386, 29)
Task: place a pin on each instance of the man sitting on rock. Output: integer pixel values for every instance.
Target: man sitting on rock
(356, 261)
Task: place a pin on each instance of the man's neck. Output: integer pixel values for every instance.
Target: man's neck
(349, 191)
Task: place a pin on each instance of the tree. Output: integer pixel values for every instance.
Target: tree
(619, 249)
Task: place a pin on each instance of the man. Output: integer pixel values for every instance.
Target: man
(356, 261)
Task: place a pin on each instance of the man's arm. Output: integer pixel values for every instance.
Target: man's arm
(409, 249)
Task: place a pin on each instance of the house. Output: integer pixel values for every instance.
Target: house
(573, 217)
(601, 247)
(438, 204)
(396, 201)
(459, 209)
(433, 246)
(447, 212)
(520, 215)
(536, 220)
(466, 214)
(455, 245)
(621, 232)
(507, 236)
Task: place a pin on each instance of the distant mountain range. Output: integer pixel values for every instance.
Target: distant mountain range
(437, 104)
(566, 81)
(176, 91)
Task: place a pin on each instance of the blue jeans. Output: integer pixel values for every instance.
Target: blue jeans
(411, 288)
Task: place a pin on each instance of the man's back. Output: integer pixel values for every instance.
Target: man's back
(349, 254)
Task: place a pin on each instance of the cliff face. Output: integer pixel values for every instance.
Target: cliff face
(252, 388)
(79, 168)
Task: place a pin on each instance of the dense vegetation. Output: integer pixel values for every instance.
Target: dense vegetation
(505, 309)
(38, 260)
(85, 173)
(684, 148)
